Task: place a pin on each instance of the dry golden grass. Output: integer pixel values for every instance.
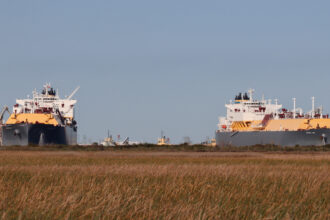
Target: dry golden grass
(164, 185)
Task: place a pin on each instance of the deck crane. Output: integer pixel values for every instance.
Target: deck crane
(73, 93)
(2, 113)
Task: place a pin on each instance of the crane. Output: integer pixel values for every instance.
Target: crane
(72, 94)
(2, 113)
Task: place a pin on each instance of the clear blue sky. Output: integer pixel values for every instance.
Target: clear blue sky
(144, 66)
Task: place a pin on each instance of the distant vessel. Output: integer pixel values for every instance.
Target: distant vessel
(163, 140)
(251, 122)
(110, 142)
(209, 143)
(44, 119)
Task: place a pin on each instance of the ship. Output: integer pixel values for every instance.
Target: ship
(163, 140)
(110, 142)
(265, 122)
(46, 119)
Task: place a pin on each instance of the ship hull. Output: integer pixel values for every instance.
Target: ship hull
(315, 137)
(38, 134)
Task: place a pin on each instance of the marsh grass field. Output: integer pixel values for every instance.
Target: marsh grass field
(164, 185)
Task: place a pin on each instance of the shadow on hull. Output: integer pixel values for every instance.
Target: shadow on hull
(38, 134)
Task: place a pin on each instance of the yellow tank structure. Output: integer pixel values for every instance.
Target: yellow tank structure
(282, 125)
(246, 126)
(163, 141)
(32, 119)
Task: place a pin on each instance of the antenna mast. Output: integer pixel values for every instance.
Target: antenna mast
(251, 91)
(294, 107)
(313, 107)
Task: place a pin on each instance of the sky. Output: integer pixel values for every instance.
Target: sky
(146, 66)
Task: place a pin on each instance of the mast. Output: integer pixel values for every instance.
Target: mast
(294, 107)
(313, 107)
(251, 91)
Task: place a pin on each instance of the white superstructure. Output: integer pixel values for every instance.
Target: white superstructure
(47, 102)
(245, 108)
(247, 113)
